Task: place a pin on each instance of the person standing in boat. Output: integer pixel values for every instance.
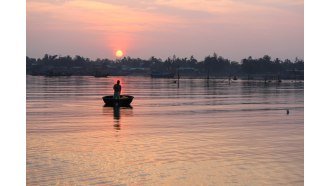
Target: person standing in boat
(117, 90)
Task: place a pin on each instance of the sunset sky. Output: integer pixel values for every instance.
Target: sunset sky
(234, 29)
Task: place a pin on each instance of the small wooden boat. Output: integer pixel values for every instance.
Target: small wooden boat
(124, 101)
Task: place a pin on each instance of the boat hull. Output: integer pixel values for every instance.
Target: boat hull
(124, 101)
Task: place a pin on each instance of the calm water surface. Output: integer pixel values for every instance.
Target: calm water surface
(197, 134)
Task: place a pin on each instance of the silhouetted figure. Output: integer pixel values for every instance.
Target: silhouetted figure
(279, 79)
(287, 112)
(117, 90)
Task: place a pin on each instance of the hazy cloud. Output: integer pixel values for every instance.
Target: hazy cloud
(192, 27)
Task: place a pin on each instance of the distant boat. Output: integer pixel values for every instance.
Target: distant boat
(235, 78)
(124, 101)
(100, 75)
(162, 75)
(55, 74)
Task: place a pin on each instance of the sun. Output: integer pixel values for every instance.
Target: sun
(119, 53)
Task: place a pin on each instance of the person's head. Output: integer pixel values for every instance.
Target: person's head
(118, 82)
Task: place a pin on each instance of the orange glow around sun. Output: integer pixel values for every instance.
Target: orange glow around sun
(119, 53)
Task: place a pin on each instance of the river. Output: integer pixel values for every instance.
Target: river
(197, 132)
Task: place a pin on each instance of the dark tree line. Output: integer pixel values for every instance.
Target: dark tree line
(266, 65)
(212, 65)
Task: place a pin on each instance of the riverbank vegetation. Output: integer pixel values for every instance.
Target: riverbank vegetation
(212, 66)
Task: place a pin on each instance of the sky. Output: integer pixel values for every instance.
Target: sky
(234, 29)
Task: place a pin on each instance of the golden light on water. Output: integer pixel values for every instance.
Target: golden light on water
(156, 142)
